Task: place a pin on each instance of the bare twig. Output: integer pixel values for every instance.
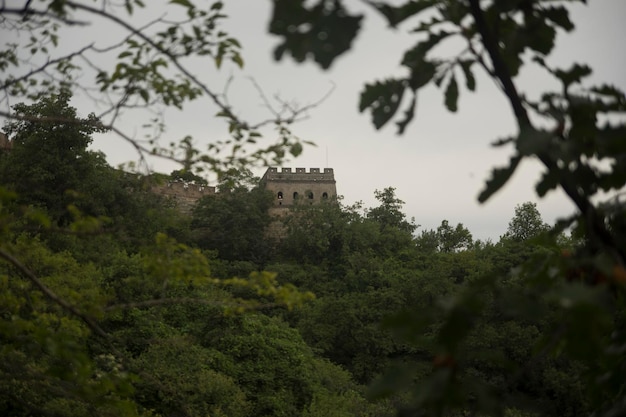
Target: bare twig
(296, 113)
(42, 68)
(41, 13)
(141, 150)
(266, 102)
(114, 103)
(137, 32)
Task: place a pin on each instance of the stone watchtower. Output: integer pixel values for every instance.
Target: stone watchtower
(299, 187)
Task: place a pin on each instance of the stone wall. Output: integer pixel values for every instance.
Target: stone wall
(5, 143)
(299, 186)
(183, 194)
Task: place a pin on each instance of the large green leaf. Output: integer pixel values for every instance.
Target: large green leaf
(559, 16)
(397, 14)
(452, 94)
(421, 74)
(470, 81)
(539, 36)
(322, 32)
(185, 3)
(549, 181)
(499, 177)
(573, 75)
(417, 54)
(532, 141)
(383, 99)
(409, 113)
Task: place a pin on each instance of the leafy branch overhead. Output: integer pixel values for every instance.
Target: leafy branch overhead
(527, 26)
(578, 134)
(140, 68)
(114, 302)
(497, 37)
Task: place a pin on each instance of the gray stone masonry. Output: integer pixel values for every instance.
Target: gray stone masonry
(299, 186)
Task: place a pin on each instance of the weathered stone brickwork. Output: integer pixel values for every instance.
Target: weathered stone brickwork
(298, 186)
(183, 194)
(5, 143)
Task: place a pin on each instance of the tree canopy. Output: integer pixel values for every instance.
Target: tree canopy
(526, 223)
(577, 135)
(53, 152)
(114, 304)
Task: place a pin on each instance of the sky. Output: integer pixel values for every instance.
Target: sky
(440, 164)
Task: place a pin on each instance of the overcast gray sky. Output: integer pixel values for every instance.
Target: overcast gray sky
(441, 162)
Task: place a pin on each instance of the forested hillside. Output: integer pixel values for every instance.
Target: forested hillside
(115, 303)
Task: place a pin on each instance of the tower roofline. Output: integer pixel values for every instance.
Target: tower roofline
(299, 174)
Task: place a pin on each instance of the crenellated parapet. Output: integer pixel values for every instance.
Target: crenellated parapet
(299, 186)
(292, 187)
(299, 174)
(184, 188)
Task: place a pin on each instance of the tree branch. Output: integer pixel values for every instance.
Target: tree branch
(593, 222)
(500, 69)
(214, 97)
(40, 13)
(141, 150)
(14, 81)
(27, 273)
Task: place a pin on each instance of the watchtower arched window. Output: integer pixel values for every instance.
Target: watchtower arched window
(325, 196)
(309, 195)
(280, 195)
(295, 195)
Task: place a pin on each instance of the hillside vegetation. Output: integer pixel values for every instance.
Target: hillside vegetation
(115, 303)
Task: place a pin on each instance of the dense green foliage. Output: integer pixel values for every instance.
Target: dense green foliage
(231, 222)
(114, 303)
(576, 131)
(103, 313)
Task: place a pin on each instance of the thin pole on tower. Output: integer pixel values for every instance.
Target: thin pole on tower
(326, 156)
